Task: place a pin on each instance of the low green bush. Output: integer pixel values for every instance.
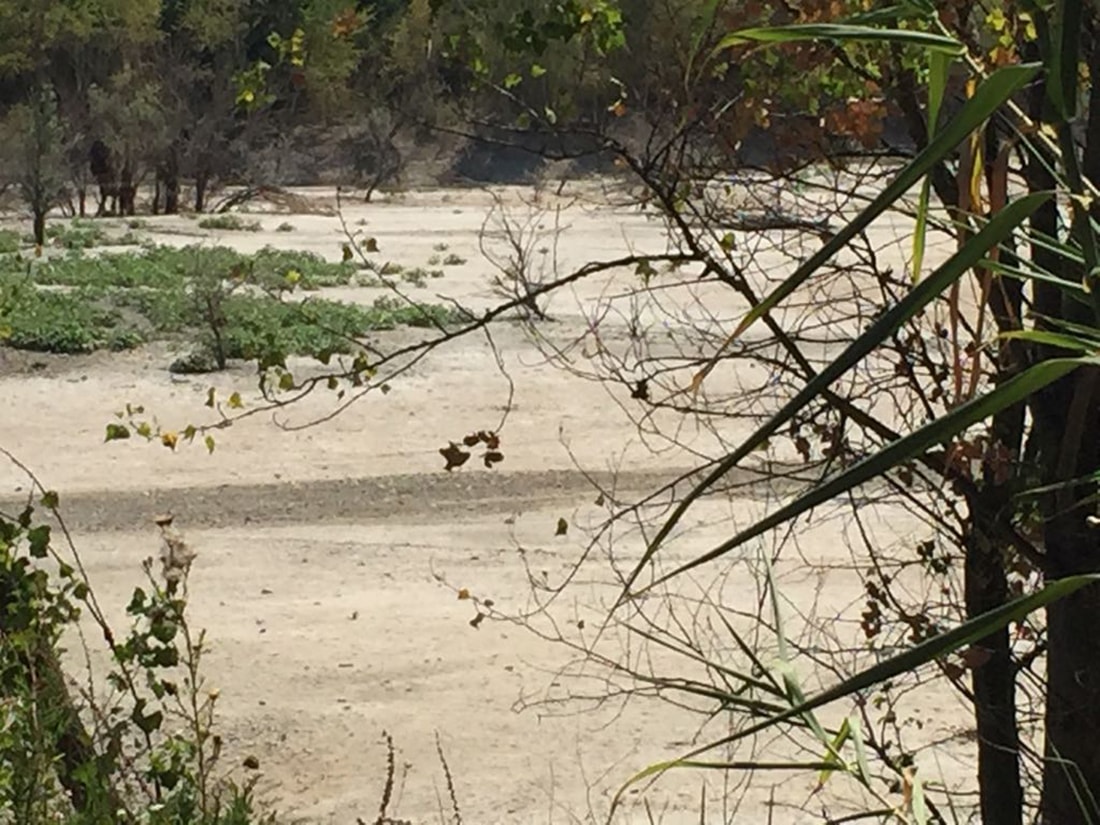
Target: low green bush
(226, 303)
(59, 322)
(230, 222)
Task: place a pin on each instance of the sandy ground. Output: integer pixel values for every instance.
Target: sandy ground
(328, 556)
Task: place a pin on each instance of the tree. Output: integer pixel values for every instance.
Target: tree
(33, 129)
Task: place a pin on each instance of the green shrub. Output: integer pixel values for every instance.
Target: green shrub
(154, 759)
(226, 302)
(230, 222)
(9, 241)
(59, 322)
(271, 266)
(76, 234)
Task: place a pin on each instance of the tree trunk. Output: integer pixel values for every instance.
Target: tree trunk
(986, 579)
(200, 191)
(172, 192)
(994, 682)
(1067, 421)
(1071, 775)
(40, 227)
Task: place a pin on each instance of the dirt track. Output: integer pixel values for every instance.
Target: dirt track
(398, 498)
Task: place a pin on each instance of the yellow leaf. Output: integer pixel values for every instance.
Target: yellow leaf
(235, 402)
(169, 440)
(463, 594)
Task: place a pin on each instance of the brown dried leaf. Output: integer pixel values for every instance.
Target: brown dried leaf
(454, 455)
(974, 657)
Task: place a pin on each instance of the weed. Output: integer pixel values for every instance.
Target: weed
(285, 227)
(453, 260)
(229, 222)
(9, 241)
(59, 322)
(127, 238)
(227, 304)
(391, 268)
(271, 267)
(441, 247)
(434, 260)
(77, 234)
(121, 762)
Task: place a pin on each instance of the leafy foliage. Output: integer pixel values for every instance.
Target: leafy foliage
(150, 753)
(226, 302)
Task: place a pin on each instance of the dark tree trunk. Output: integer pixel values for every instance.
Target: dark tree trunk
(1067, 423)
(172, 193)
(127, 192)
(40, 227)
(201, 180)
(1071, 776)
(986, 579)
(171, 178)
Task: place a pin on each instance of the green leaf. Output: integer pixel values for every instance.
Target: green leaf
(938, 65)
(999, 228)
(842, 33)
(790, 678)
(920, 808)
(1053, 339)
(209, 441)
(117, 432)
(146, 723)
(39, 540)
(512, 80)
(832, 753)
(862, 764)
